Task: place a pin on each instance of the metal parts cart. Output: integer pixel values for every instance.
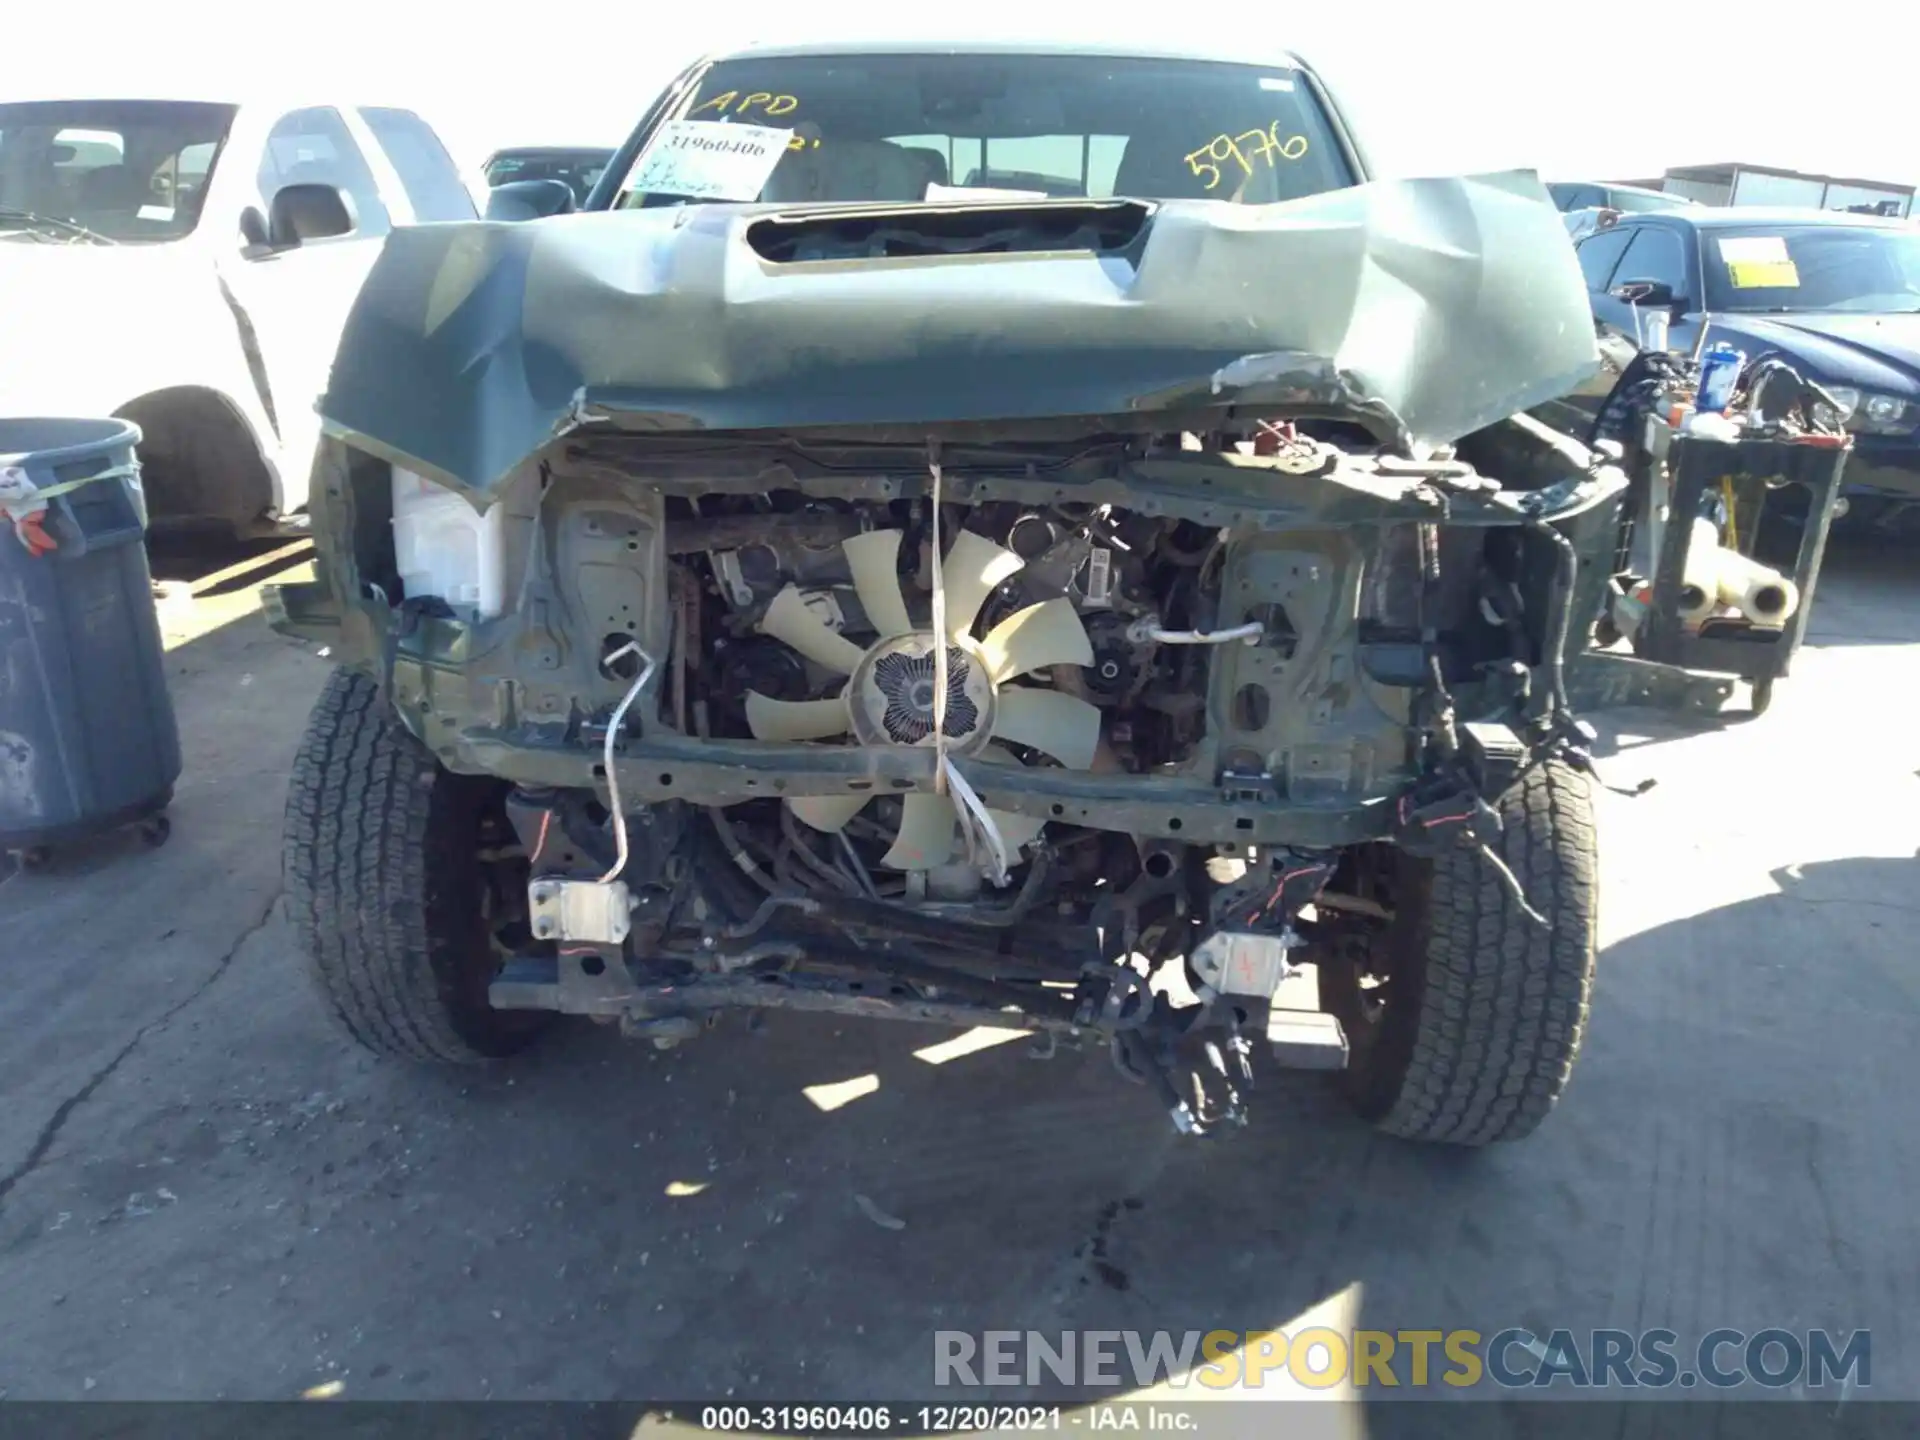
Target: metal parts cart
(1753, 481)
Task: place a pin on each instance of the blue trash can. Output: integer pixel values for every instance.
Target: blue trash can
(88, 740)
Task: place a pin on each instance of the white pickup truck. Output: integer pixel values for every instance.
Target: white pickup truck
(188, 264)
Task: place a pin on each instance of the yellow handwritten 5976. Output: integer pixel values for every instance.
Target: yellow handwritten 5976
(1263, 144)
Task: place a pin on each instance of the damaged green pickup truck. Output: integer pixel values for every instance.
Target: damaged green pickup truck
(975, 536)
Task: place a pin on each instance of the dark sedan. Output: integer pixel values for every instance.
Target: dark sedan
(1836, 295)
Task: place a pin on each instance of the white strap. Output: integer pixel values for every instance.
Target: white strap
(976, 821)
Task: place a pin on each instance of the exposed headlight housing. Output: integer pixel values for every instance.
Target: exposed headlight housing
(1884, 410)
(1844, 396)
(1864, 411)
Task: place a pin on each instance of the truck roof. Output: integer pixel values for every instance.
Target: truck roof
(1223, 51)
(1721, 217)
(280, 98)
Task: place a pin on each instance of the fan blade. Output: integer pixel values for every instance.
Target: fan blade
(926, 835)
(788, 619)
(1049, 633)
(827, 812)
(771, 719)
(874, 559)
(973, 567)
(1063, 726)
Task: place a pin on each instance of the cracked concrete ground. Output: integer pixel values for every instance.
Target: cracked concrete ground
(208, 1192)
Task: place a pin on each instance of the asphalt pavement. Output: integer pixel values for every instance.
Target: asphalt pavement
(205, 1191)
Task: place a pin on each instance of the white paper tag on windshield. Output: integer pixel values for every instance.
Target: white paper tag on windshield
(1757, 249)
(154, 212)
(1758, 262)
(980, 192)
(709, 160)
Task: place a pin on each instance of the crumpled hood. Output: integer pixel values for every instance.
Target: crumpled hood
(1434, 307)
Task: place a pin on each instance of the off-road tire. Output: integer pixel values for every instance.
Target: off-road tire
(1485, 1009)
(384, 885)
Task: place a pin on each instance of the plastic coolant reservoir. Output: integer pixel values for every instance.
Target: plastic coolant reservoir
(443, 547)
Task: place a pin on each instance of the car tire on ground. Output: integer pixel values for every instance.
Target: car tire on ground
(1468, 1021)
(388, 892)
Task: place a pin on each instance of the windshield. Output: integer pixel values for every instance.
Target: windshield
(1812, 267)
(126, 170)
(863, 128)
(579, 169)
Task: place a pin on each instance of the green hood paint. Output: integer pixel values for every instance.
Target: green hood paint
(1425, 308)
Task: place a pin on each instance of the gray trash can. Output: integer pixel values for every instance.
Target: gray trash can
(88, 741)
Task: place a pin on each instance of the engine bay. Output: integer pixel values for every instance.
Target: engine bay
(882, 730)
(1200, 642)
(818, 626)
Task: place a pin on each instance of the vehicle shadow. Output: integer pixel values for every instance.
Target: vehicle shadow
(1628, 729)
(209, 564)
(794, 1211)
(1731, 1154)
(203, 585)
(1869, 591)
(243, 1203)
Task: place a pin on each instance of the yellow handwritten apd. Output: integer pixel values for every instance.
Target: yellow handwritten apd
(770, 105)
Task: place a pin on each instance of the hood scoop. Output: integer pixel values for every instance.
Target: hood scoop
(1100, 227)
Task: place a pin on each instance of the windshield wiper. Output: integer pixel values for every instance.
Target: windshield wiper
(69, 227)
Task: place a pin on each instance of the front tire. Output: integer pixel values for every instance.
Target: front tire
(387, 890)
(1465, 1018)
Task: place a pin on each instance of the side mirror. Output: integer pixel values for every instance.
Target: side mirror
(529, 200)
(1656, 294)
(300, 213)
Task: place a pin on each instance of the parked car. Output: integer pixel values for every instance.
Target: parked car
(1836, 295)
(1056, 382)
(1571, 195)
(188, 264)
(578, 166)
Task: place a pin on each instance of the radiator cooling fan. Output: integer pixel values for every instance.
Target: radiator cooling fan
(888, 698)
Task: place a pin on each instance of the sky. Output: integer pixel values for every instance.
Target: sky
(1454, 86)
